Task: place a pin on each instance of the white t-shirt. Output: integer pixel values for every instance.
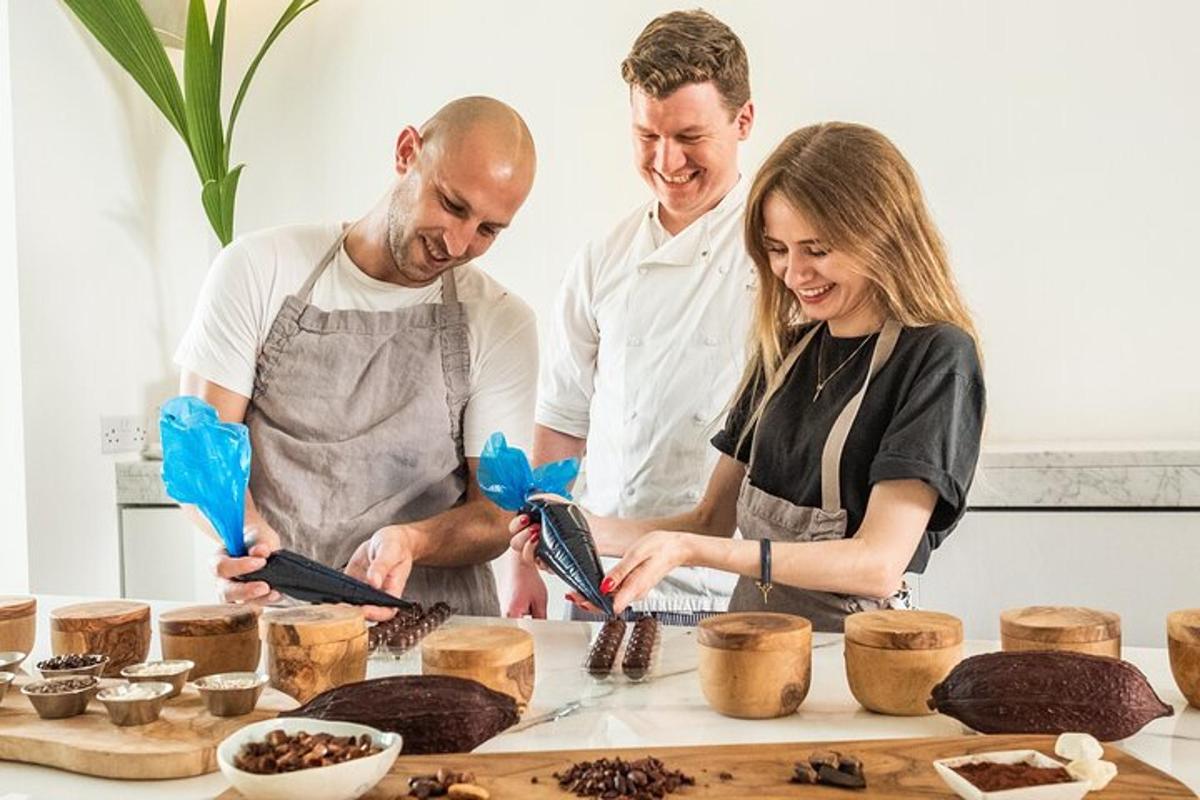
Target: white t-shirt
(643, 354)
(251, 277)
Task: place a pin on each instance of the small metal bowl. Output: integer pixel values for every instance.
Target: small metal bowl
(98, 662)
(61, 704)
(173, 672)
(10, 660)
(231, 700)
(135, 703)
(6, 679)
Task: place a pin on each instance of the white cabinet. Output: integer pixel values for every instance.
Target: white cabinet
(1140, 564)
(164, 556)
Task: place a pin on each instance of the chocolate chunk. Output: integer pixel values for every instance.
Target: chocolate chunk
(803, 773)
(832, 776)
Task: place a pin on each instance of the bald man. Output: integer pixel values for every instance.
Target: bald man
(370, 362)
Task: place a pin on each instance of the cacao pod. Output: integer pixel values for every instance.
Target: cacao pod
(1049, 692)
(433, 713)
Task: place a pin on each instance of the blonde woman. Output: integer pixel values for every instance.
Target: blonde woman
(853, 439)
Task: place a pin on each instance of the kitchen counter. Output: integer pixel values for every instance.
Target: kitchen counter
(1051, 475)
(570, 710)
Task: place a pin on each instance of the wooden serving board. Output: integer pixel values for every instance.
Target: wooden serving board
(180, 744)
(895, 769)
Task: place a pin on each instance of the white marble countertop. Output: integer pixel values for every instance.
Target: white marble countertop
(666, 710)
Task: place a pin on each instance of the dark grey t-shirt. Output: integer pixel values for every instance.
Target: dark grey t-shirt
(922, 417)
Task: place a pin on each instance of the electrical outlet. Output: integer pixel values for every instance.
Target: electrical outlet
(124, 434)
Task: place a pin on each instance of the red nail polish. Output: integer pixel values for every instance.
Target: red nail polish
(606, 585)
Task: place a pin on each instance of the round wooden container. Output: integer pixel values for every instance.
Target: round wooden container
(314, 648)
(1073, 628)
(120, 629)
(501, 658)
(895, 658)
(755, 665)
(218, 638)
(1183, 645)
(18, 623)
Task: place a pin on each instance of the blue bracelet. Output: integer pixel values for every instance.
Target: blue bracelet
(764, 558)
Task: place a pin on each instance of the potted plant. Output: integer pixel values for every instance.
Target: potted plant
(124, 30)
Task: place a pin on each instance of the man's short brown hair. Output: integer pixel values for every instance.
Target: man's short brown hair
(685, 47)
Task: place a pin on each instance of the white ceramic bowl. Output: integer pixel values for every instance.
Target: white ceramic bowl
(344, 781)
(1073, 790)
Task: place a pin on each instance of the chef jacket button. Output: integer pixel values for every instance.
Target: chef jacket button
(704, 254)
(711, 341)
(723, 269)
(634, 341)
(632, 416)
(699, 418)
(642, 270)
(693, 494)
(629, 490)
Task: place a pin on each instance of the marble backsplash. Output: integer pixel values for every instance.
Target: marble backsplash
(1009, 476)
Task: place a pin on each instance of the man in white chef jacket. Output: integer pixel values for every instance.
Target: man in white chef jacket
(648, 336)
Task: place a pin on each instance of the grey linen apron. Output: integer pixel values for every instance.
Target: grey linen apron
(761, 515)
(356, 423)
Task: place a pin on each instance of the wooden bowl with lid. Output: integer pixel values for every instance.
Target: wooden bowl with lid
(119, 629)
(314, 648)
(755, 665)
(895, 658)
(18, 623)
(499, 657)
(1183, 645)
(1070, 628)
(215, 638)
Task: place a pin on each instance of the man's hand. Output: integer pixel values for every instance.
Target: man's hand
(384, 561)
(263, 541)
(528, 590)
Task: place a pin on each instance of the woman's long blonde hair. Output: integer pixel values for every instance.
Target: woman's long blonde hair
(863, 198)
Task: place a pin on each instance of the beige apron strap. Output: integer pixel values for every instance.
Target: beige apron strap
(776, 382)
(831, 456)
(306, 290)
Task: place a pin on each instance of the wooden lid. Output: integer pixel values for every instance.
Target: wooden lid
(904, 630)
(755, 630)
(1054, 624)
(476, 645)
(309, 625)
(86, 616)
(208, 620)
(12, 607)
(1184, 626)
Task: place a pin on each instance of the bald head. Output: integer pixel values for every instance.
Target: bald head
(460, 180)
(486, 127)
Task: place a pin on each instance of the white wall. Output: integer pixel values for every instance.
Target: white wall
(110, 243)
(14, 571)
(1056, 143)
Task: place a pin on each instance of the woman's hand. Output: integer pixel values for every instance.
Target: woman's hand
(644, 564)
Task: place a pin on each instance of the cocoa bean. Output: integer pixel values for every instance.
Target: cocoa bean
(1049, 692)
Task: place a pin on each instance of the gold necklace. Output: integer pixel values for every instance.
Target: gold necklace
(821, 350)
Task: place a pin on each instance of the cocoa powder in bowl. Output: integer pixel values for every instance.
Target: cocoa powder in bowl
(988, 776)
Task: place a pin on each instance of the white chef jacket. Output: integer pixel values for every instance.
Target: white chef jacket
(643, 353)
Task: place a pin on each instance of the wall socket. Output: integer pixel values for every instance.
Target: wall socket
(124, 434)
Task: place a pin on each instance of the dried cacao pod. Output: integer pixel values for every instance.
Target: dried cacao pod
(1049, 692)
(433, 713)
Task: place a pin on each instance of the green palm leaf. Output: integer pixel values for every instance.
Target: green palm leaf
(202, 95)
(121, 28)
